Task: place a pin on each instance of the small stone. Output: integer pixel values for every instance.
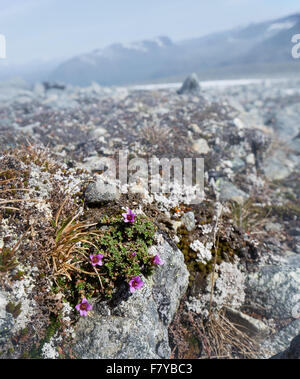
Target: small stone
(250, 159)
(238, 123)
(176, 239)
(201, 146)
(101, 191)
(188, 220)
(249, 325)
(195, 128)
(99, 132)
(237, 164)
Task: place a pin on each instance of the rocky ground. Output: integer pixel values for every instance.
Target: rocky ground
(230, 283)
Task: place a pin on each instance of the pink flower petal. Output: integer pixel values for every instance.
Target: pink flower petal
(157, 260)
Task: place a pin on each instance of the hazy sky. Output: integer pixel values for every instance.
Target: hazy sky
(48, 29)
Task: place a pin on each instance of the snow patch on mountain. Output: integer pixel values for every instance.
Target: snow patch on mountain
(281, 26)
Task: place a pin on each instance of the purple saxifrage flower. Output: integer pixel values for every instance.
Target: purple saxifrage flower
(129, 216)
(133, 254)
(157, 260)
(96, 259)
(135, 284)
(83, 307)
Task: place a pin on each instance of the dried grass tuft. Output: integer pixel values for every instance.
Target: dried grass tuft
(246, 217)
(224, 340)
(155, 134)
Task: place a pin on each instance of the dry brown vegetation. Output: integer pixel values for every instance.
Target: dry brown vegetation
(214, 337)
(192, 337)
(155, 134)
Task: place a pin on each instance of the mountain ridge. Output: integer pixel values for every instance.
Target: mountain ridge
(244, 49)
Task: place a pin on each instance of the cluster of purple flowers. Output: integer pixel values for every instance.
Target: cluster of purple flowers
(134, 284)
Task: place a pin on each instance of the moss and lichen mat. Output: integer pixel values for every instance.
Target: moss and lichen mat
(53, 252)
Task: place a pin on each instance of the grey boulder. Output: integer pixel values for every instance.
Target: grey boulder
(283, 344)
(228, 191)
(292, 352)
(190, 85)
(136, 326)
(277, 289)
